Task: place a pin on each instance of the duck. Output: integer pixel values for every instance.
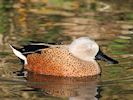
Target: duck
(77, 59)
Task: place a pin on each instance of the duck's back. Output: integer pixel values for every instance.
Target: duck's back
(60, 62)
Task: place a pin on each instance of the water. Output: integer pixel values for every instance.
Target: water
(110, 23)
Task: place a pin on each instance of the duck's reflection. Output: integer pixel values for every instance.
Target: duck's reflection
(84, 88)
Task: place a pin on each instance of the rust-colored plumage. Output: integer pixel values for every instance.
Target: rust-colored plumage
(60, 62)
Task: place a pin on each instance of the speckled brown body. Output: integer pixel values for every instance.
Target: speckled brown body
(60, 62)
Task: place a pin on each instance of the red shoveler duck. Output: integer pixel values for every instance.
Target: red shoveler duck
(77, 59)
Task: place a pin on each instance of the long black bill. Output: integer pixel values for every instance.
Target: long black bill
(101, 56)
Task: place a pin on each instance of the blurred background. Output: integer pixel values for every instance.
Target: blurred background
(109, 22)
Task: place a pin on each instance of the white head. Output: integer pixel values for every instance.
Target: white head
(84, 48)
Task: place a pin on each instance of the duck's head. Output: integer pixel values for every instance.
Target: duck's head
(87, 49)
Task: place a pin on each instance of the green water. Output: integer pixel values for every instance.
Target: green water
(109, 22)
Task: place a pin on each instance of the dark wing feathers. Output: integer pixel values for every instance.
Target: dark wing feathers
(32, 48)
(51, 43)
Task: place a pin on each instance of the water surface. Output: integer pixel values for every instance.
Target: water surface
(110, 23)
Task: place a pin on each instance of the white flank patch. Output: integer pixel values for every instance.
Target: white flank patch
(19, 54)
